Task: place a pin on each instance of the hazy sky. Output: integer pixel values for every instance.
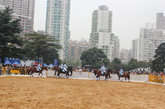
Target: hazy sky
(128, 17)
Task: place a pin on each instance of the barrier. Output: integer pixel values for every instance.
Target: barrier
(14, 71)
(156, 78)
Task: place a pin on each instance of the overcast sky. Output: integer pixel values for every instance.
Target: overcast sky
(128, 17)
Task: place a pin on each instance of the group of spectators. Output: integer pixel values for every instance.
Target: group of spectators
(7, 69)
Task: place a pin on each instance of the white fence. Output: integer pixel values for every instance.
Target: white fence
(89, 75)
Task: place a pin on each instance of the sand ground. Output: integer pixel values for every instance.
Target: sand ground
(52, 93)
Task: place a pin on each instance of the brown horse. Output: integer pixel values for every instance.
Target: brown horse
(98, 73)
(55, 68)
(34, 70)
(126, 75)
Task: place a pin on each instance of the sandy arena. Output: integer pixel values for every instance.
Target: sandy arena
(52, 93)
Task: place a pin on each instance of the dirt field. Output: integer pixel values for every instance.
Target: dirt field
(52, 93)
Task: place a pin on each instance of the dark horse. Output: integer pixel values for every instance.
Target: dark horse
(34, 70)
(126, 75)
(98, 73)
(69, 69)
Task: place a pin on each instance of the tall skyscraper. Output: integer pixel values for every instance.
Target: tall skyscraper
(115, 42)
(24, 10)
(135, 49)
(160, 21)
(101, 31)
(57, 23)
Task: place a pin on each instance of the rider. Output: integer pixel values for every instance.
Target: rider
(63, 67)
(103, 69)
(121, 72)
(38, 67)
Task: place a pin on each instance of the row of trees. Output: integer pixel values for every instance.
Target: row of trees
(96, 57)
(31, 46)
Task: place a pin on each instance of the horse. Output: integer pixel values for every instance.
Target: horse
(34, 70)
(106, 74)
(55, 68)
(64, 72)
(126, 75)
(95, 71)
(70, 69)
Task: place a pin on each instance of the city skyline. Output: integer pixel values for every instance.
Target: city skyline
(132, 13)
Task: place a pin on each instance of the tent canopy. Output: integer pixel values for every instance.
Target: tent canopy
(16, 63)
(7, 62)
(51, 65)
(45, 65)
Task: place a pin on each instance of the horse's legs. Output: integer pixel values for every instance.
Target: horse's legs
(55, 72)
(119, 78)
(109, 75)
(58, 75)
(105, 77)
(41, 74)
(67, 74)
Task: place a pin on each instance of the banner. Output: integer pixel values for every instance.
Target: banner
(156, 78)
(12, 60)
(55, 62)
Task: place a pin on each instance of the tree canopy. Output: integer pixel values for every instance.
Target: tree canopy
(38, 45)
(158, 63)
(94, 57)
(115, 64)
(10, 40)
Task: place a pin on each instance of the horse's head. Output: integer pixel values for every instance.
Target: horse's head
(56, 68)
(94, 71)
(109, 71)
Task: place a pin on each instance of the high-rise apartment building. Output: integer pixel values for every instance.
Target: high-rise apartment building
(76, 48)
(23, 10)
(57, 23)
(135, 49)
(125, 55)
(115, 46)
(160, 21)
(149, 40)
(101, 30)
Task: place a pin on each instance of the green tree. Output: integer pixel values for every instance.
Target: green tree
(158, 63)
(134, 64)
(10, 40)
(38, 45)
(73, 62)
(115, 64)
(94, 57)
